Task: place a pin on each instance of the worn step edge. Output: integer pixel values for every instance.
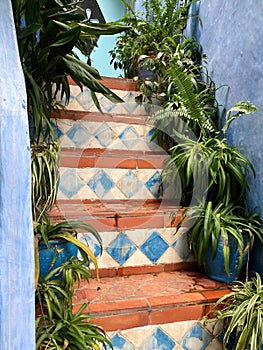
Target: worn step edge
(103, 158)
(102, 117)
(109, 216)
(128, 312)
(115, 83)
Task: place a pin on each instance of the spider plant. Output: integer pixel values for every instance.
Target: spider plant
(207, 224)
(213, 160)
(57, 327)
(45, 176)
(46, 231)
(242, 314)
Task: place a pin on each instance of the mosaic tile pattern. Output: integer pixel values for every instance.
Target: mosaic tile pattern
(140, 247)
(188, 335)
(111, 135)
(82, 101)
(91, 183)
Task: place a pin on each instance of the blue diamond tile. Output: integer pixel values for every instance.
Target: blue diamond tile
(129, 184)
(121, 249)
(85, 99)
(153, 184)
(181, 247)
(154, 247)
(197, 338)
(119, 343)
(91, 243)
(129, 137)
(100, 184)
(70, 184)
(149, 135)
(158, 341)
(104, 135)
(57, 131)
(78, 134)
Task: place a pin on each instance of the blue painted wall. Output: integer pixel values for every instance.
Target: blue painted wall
(232, 38)
(17, 297)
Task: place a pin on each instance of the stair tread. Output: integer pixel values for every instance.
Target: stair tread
(174, 295)
(111, 208)
(109, 158)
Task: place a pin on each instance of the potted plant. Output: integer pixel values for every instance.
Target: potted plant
(55, 243)
(242, 315)
(57, 326)
(162, 23)
(220, 238)
(212, 174)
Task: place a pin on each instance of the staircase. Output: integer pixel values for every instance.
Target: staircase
(150, 294)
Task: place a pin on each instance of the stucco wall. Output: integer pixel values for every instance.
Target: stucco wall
(232, 38)
(17, 295)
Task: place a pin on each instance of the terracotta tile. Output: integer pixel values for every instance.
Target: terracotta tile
(184, 313)
(137, 270)
(214, 295)
(122, 321)
(140, 222)
(208, 283)
(178, 299)
(118, 306)
(115, 162)
(77, 162)
(185, 265)
(119, 84)
(154, 163)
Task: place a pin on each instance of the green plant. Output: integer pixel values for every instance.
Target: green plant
(45, 159)
(207, 224)
(242, 314)
(48, 32)
(45, 231)
(213, 160)
(161, 22)
(57, 327)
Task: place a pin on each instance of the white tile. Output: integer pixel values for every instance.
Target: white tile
(137, 336)
(66, 142)
(168, 234)
(137, 259)
(106, 261)
(138, 237)
(169, 256)
(178, 330)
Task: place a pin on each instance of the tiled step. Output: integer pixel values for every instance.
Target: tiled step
(150, 295)
(137, 235)
(135, 309)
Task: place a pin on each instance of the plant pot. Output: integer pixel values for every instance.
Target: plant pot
(59, 252)
(215, 268)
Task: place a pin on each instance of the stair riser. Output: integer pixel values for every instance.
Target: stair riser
(82, 101)
(140, 248)
(109, 184)
(105, 135)
(182, 335)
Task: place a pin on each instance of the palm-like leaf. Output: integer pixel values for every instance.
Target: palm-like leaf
(47, 32)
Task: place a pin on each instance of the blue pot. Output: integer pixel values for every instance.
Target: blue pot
(215, 267)
(55, 256)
